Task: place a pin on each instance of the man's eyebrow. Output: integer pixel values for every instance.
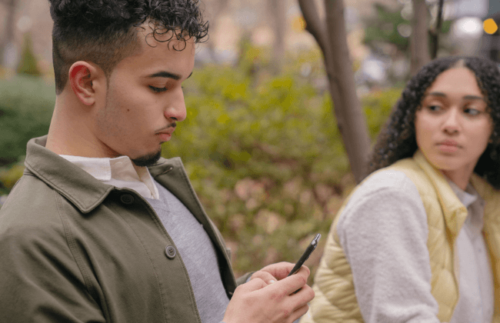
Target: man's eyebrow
(168, 75)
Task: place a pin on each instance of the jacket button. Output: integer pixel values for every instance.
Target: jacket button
(170, 252)
(127, 199)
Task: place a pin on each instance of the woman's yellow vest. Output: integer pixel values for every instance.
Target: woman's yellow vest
(335, 299)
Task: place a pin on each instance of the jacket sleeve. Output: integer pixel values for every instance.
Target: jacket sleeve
(39, 279)
(383, 232)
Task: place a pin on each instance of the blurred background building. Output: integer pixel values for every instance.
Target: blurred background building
(378, 33)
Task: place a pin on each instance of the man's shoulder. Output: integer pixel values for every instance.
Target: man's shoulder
(31, 203)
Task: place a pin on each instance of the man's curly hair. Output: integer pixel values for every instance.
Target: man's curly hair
(104, 31)
(398, 139)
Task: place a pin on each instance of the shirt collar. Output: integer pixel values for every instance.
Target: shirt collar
(119, 171)
(467, 197)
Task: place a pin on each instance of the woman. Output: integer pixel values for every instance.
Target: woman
(419, 239)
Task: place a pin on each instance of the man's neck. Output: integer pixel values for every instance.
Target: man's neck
(70, 134)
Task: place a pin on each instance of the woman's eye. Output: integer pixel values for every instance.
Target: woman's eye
(158, 89)
(472, 111)
(434, 107)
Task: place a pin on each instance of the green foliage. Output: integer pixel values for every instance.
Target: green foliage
(265, 156)
(9, 176)
(263, 153)
(383, 28)
(26, 105)
(377, 107)
(258, 154)
(28, 64)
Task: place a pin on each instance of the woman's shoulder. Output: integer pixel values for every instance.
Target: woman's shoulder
(386, 181)
(386, 194)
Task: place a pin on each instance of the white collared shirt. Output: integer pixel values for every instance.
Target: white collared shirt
(120, 172)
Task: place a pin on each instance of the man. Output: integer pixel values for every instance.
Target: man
(100, 228)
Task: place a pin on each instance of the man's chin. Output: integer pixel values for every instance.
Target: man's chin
(147, 160)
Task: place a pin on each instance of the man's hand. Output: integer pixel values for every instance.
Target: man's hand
(274, 272)
(263, 301)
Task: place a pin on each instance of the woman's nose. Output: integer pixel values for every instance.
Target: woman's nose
(452, 121)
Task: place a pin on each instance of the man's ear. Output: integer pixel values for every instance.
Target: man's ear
(82, 77)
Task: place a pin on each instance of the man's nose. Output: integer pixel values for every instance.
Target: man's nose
(176, 107)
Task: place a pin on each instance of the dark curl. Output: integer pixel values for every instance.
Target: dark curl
(398, 139)
(104, 31)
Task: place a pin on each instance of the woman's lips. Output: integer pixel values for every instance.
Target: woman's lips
(448, 146)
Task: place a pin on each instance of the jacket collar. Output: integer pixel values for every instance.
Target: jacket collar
(80, 188)
(86, 193)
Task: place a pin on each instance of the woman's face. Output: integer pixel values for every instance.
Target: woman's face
(453, 125)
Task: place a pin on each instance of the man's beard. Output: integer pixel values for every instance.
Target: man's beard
(147, 160)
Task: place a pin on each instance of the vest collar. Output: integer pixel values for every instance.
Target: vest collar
(454, 211)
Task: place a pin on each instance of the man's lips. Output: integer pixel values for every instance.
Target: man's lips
(166, 133)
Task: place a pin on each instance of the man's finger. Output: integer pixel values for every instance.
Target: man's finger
(279, 270)
(289, 285)
(252, 285)
(265, 276)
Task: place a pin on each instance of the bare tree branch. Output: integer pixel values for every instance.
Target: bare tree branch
(278, 11)
(331, 38)
(318, 30)
(216, 9)
(355, 134)
(435, 33)
(8, 35)
(314, 25)
(419, 44)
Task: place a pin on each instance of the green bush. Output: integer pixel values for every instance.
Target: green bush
(377, 107)
(265, 156)
(263, 153)
(26, 105)
(28, 64)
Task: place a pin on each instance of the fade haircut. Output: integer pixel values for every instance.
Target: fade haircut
(105, 31)
(398, 138)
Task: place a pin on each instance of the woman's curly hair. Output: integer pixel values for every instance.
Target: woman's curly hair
(103, 31)
(398, 139)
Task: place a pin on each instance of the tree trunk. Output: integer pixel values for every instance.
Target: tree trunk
(419, 43)
(217, 7)
(8, 37)
(347, 107)
(279, 20)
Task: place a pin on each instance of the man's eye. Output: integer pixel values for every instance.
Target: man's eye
(158, 89)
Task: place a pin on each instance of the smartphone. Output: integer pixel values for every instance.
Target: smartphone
(312, 246)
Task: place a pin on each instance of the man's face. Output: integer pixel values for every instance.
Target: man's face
(144, 99)
(453, 125)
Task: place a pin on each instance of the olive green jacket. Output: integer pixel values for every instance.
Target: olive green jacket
(73, 249)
